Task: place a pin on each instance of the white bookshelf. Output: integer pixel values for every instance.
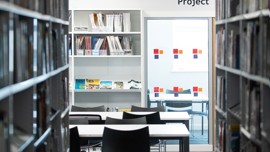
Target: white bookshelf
(107, 67)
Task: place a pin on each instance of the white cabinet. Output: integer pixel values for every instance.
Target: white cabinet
(111, 60)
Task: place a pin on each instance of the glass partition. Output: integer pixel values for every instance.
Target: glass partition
(177, 65)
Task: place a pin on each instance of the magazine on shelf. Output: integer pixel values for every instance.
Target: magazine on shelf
(92, 84)
(105, 84)
(80, 84)
(118, 84)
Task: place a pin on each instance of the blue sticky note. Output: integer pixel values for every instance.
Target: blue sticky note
(175, 56)
(156, 56)
(156, 94)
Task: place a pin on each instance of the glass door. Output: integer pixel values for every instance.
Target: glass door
(178, 64)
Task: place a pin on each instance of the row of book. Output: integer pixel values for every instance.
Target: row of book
(227, 9)
(233, 50)
(220, 9)
(47, 56)
(117, 22)
(251, 115)
(4, 53)
(2, 131)
(221, 135)
(220, 46)
(107, 45)
(227, 134)
(251, 5)
(95, 84)
(49, 7)
(220, 93)
(253, 55)
(23, 54)
(250, 56)
(266, 48)
(52, 48)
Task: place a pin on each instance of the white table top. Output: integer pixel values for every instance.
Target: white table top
(159, 131)
(165, 116)
(181, 97)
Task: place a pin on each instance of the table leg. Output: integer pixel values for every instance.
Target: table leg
(202, 118)
(185, 141)
(184, 144)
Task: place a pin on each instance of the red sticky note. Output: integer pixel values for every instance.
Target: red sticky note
(175, 89)
(195, 51)
(195, 89)
(155, 51)
(156, 89)
(175, 51)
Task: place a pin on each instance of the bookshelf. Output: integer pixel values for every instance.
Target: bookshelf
(106, 49)
(34, 75)
(242, 75)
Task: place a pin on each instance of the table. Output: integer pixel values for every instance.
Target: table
(164, 116)
(162, 131)
(167, 117)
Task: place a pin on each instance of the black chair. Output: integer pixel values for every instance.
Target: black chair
(183, 107)
(151, 118)
(74, 140)
(126, 141)
(98, 108)
(143, 109)
(140, 120)
(87, 119)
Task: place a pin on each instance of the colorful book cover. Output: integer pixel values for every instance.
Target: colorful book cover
(105, 84)
(118, 85)
(92, 84)
(80, 84)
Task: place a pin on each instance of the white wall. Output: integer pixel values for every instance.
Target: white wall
(151, 8)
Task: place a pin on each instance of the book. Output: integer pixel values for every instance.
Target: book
(118, 85)
(126, 22)
(4, 59)
(92, 84)
(105, 84)
(118, 21)
(41, 109)
(134, 84)
(80, 84)
(2, 131)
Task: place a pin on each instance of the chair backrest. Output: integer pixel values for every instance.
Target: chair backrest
(152, 118)
(175, 104)
(85, 119)
(140, 120)
(74, 140)
(143, 109)
(98, 108)
(126, 141)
